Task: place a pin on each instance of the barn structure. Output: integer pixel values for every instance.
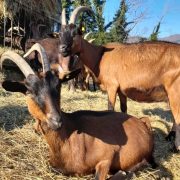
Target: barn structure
(34, 17)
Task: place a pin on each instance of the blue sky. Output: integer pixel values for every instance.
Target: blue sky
(154, 10)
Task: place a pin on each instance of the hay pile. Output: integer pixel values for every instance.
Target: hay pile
(43, 8)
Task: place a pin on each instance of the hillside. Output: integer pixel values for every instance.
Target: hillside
(173, 38)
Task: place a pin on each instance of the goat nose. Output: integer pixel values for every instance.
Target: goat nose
(63, 47)
(54, 123)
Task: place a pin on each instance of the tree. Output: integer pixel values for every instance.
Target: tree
(98, 9)
(119, 31)
(154, 35)
(67, 4)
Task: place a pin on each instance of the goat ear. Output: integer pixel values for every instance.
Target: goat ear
(71, 75)
(13, 86)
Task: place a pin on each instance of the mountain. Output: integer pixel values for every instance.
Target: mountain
(173, 38)
(134, 39)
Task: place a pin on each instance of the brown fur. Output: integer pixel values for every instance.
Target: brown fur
(51, 47)
(97, 142)
(84, 142)
(145, 72)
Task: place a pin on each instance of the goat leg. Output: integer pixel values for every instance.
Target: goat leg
(102, 169)
(123, 102)
(111, 98)
(175, 108)
(122, 175)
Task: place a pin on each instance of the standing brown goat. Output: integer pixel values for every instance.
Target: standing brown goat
(144, 72)
(84, 141)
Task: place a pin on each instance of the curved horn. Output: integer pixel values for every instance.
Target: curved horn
(44, 59)
(63, 17)
(18, 60)
(86, 35)
(91, 40)
(76, 13)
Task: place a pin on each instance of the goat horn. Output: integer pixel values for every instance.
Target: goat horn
(44, 59)
(86, 35)
(63, 17)
(76, 13)
(19, 61)
(91, 40)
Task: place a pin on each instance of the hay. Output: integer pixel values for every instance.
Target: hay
(44, 8)
(24, 154)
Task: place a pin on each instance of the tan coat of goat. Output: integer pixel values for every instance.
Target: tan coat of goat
(144, 72)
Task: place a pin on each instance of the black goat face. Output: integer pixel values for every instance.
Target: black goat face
(44, 95)
(45, 92)
(66, 39)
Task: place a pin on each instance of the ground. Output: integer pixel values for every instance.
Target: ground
(24, 154)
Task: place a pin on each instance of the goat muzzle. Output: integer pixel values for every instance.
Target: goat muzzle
(64, 50)
(54, 122)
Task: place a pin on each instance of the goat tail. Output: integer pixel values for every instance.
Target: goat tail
(146, 121)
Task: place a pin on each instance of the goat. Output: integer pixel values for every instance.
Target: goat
(17, 41)
(82, 80)
(144, 72)
(83, 141)
(18, 37)
(16, 30)
(27, 71)
(85, 72)
(57, 61)
(51, 45)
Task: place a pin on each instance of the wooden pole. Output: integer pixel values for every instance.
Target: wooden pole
(24, 22)
(11, 31)
(4, 11)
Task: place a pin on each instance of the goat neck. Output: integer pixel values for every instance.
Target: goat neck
(91, 55)
(57, 140)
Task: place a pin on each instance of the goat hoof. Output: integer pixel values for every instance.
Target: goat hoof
(177, 149)
(174, 149)
(122, 175)
(171, 136)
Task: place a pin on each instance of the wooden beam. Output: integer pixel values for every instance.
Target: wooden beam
(4, 11)
(11, 31)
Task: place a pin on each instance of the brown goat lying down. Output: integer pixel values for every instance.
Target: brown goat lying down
(83, 142)
(91, 141)
(98, 142)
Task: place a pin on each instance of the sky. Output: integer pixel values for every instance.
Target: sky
(168, 11)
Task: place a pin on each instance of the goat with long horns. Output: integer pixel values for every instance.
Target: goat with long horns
(144, 72)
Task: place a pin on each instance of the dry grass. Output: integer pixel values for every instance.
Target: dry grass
(24, 154)
(35, 8)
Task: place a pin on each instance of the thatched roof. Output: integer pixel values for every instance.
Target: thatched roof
(50, 9)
